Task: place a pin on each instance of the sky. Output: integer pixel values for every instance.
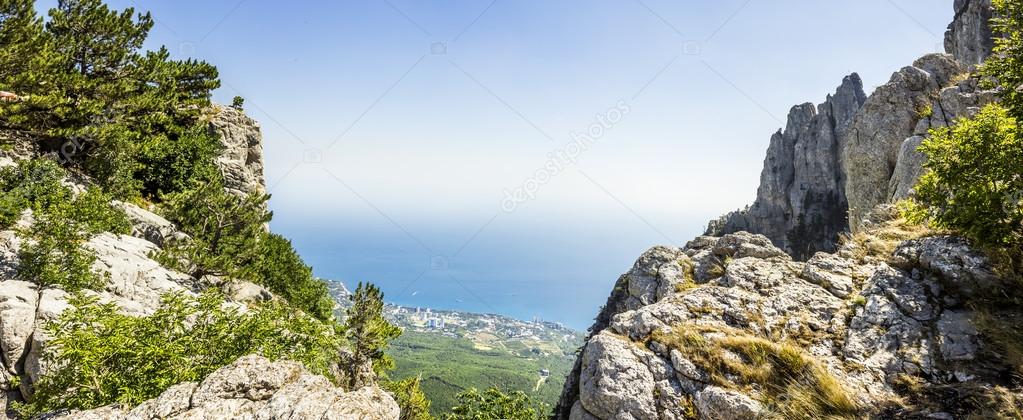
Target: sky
(516, 156)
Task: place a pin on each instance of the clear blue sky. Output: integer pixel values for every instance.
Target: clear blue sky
(394, 127)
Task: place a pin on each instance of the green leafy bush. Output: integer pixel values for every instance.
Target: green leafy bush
(281, 270)
(494, 405)
(224, 229)
(411, 399)
(1004, 69)
(973, 181)
(99, 356)
(52, 254)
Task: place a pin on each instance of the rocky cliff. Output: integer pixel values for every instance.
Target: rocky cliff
(832, 165)
(732, 328)
(252, 387)
(789, 321)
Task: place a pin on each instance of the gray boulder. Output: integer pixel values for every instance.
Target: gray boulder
(241, 161)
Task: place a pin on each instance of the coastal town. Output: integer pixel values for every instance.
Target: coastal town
(487, 332)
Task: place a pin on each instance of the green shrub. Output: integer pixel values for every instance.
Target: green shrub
(494, 404)
(52, 254)
(98, 356)
(972, 183)
(368, 333)
(170, 164)
(1004, 69)
(224, 229)
(411, 399)
(281, 270)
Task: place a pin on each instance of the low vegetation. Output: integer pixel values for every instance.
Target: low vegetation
(493, 404)
(892, 227)
(450, 366)
(99, 356)
(410, 397)
(790, 383)
(62, 222)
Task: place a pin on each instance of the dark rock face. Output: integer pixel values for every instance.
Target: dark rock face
(801, 204)
(969, 37)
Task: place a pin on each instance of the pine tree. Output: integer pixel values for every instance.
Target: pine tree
(21, 41)
(225, 230)
(411, 399)
(368, 334)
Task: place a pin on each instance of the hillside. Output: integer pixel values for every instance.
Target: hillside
(455, 351)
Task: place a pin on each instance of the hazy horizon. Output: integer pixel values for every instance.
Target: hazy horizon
(396, 131)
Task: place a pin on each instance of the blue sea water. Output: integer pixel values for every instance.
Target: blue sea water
(559, 272)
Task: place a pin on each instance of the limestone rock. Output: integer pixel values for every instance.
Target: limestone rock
(136, 282)
(721, 404)
(801, 204)
(241, 161)
(255, 388)
(621, 381)
(831, 272)
(969, 36)
(150, 226)
(18, 301)
(887, 119)
(908, 168)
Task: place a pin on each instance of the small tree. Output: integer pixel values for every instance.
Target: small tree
(1004, 69)
(224, 229)
(411, 399)
(368, 334)
(238, 103)
(496, 405)
(974, 178)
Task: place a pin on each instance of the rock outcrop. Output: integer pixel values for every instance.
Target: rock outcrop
(969, 36)
(801, 204)
(256, 388)
(829, 168)
(889, 117)
(241, 161)
(858, 325)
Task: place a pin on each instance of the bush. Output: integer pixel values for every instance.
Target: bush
(1004, 69)
(53, 254)
(171, 164)
(411, 399)
(494, 404)
(282, 271)
(368, 334)
(224, 231)
(98, 356)
(228, 239)
(973, 183)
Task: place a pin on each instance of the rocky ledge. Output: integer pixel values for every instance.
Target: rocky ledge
(732, 328)
(256, 388)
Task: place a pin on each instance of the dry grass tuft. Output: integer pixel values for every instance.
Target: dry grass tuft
(879, 241)
(791, 383)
